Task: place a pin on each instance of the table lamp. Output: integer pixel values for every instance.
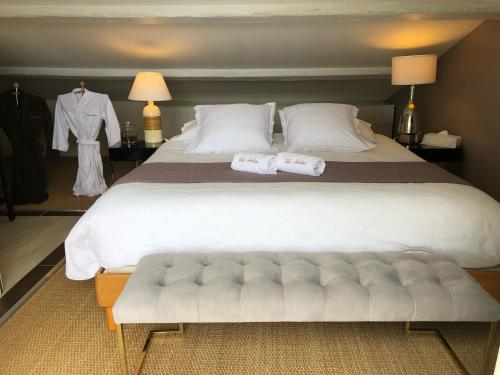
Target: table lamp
(150, 87)
(412, 70)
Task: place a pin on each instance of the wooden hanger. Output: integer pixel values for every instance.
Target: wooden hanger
(82, 88)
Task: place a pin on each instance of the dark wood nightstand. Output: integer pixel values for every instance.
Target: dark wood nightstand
(447, 158)
(139, 153)
(436, 154)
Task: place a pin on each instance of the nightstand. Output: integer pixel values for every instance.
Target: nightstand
(138, 153)
(447, 158)
(436, 154)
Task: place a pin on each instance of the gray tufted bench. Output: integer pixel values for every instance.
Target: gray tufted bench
(300, 287)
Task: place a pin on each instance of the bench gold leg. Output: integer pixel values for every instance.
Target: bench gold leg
(121, 349)
(486, 353)
(179, 330)
(489, 345)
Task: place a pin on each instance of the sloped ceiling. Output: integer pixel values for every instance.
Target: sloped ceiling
(244, 8)
(203, 38)
(227, 40)
(298, 47)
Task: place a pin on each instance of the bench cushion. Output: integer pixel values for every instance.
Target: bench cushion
(301, 287)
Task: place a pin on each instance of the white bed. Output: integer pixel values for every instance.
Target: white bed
(135, 219)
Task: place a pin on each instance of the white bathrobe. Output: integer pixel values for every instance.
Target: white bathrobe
(83, 114)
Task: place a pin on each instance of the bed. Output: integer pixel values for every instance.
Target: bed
(139, 218)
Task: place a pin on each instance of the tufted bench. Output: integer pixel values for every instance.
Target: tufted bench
(300, 287)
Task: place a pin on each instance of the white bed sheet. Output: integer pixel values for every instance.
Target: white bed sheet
(135, 219)
(387, 150)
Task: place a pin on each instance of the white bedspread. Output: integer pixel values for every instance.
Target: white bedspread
(135, 219)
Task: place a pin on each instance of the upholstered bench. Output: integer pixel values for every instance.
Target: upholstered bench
(300, 287)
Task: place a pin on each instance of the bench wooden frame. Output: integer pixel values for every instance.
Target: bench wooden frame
(108, 287)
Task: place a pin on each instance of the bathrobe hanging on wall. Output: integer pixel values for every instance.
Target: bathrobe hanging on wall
(24, 119)
(83, 114)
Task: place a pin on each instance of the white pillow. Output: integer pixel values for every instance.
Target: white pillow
(233, 128)
(322, 127)
(365, 130)
(188, 126)
(189, 132)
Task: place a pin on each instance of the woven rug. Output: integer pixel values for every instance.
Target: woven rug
(60, 330)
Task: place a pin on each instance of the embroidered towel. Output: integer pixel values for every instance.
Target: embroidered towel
(300, 164)
(254, 163)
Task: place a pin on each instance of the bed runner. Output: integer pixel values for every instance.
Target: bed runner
(364, 172)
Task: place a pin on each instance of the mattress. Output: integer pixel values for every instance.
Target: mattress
(135, 219)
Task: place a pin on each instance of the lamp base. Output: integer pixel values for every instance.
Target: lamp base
(153, 134)
(408, 139)
(152, 138)
(152, 130)
(408, 127)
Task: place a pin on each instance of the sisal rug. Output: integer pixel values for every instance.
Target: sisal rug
(60, 330)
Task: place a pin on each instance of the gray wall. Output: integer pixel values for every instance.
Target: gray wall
(466, 101)
(368, 93)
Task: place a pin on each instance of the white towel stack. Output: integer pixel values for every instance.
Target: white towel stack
(442, 139)
(300, 164)
(284, 161)
(255, 163)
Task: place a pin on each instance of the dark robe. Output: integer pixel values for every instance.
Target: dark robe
(24, 125)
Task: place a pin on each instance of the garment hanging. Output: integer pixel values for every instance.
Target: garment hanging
(26, 119)
(83, 114)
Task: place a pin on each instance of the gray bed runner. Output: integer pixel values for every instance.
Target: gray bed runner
(364, 172)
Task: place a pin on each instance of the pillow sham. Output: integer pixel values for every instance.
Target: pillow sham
(322, 127)
(233, 128)
(188, 126)
(365, 130)
(189, 132)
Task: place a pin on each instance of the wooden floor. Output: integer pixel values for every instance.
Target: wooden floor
(61, 175)
(31, 245)
(27, 240)
(26, 285)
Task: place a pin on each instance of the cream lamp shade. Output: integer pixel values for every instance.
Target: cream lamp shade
(150, 87)
(414, 70)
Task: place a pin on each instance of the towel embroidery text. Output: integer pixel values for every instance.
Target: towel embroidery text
(242, 159)
(289, 161)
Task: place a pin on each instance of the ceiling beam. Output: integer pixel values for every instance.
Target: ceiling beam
(222, 9)
(247, 74)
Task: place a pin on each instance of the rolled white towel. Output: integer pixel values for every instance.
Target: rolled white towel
(254, 163)
(300, 164)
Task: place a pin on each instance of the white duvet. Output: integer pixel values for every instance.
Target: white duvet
(135, 219)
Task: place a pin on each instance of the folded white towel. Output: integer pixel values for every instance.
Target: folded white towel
(442, 139)
(254, 163)
(300, 164)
